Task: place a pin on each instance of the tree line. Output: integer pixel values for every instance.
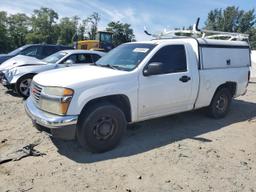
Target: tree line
(45, 26)
(232, 19)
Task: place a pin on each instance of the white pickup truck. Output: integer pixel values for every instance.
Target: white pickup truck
(139, 81)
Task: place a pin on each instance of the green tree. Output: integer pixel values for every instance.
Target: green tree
(81, 32)
(91, 25)
(18, 28)
(4, 39)
(252, 34)
(232, 19)
(215, 20)
(122, 32)
(247, 21)
(67, 29)
(44, 27)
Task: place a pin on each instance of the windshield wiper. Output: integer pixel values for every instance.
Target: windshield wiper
(94, 64)
(110, 66)
(115, 67)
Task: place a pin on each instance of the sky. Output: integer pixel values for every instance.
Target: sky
(156, 15)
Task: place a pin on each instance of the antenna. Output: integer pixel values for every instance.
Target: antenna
(195, 26)
(146, 31)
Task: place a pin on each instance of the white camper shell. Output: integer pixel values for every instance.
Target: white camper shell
(223, 54)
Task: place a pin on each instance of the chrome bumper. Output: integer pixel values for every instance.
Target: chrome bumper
(49, 120)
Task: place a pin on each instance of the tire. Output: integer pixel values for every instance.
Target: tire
(101, 127)
(22, 86)
(220, 103)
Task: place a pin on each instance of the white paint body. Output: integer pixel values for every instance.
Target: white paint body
(157, 95)
(253, 68)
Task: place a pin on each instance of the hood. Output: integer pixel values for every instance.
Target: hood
(20, 60)
(69, 76)
(4, 57)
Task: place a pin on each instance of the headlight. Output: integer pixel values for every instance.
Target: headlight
(11, 73)
(14, 72)
(56, 99)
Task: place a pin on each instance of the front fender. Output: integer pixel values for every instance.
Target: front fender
(82, 97)
(12, 79)
(25, 70)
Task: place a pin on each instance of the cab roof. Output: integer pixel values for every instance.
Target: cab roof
(72, 51)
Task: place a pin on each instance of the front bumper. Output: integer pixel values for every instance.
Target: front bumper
(3, 79)
(5, 82)
(60, 126)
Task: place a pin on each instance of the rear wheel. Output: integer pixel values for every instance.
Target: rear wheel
(101, 127)
(23, 86)
(220, 103)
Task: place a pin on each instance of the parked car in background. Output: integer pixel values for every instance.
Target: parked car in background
(18, 75)
(39, 51)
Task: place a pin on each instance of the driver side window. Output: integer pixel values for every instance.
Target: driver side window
(173, 58)
(84, 58)
(30, 51)
(79, 58)
(71, 57)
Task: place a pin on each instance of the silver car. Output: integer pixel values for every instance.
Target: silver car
(17, 73)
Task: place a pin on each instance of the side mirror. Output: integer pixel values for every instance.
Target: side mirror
(153, 69)
(69, 62)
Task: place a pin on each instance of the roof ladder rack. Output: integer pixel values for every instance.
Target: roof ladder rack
(202, 33)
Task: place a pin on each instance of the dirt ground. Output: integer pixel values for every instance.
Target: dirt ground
(184, 152)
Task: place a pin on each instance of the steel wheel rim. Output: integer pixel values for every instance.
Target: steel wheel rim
(25, 86)
(221, 103)
(104, 128)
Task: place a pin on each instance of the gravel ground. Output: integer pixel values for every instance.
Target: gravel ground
(184, 152)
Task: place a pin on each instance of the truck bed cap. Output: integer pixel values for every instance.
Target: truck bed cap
(214, 42)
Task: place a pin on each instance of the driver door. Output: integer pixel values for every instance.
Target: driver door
(166, 93)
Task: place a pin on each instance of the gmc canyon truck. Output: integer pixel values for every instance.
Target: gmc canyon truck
(135, 82)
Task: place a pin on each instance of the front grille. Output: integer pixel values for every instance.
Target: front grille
(36, 92)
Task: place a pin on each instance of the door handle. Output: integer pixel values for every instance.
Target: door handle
(185, 79)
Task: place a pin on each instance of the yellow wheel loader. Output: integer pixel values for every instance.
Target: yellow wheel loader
(103, 42)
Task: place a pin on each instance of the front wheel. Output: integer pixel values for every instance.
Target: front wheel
(101, 127)
(220, 103)
(23, 86)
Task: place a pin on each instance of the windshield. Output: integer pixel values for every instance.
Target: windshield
(126, 56)
(106, 37)
(18, 50)
(54, 58)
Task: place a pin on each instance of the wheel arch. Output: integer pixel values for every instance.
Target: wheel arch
(230, 85)
(217, 110)
(119, 100)
(18, 82)
(26, 75)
